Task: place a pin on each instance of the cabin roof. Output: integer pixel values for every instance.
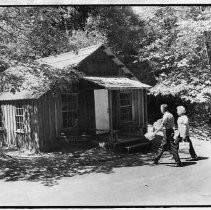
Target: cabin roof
(116, 83)
(74, 58)
(30, 81)
(70, 58)
(35, 82)
(20, 95)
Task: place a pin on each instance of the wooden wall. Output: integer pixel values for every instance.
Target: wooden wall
(27, 139)
(43, 117)
(99, 64)
(139, 109)
(50, 120)
(86, 109)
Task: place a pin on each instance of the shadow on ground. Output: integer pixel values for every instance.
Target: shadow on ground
(49, 168)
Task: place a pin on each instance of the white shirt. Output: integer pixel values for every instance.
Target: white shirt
(183, 126)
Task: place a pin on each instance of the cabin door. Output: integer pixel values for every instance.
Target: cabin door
(101, 109)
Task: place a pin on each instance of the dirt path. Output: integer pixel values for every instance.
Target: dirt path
(124, 183)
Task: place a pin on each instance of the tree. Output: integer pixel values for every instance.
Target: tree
(178, 52)
(121, 27)
(29, 33)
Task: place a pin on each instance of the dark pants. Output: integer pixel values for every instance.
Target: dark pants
(168, 144)
(191, 149)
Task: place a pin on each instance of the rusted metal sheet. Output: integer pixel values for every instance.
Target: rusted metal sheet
(22, 95)
(115, 83)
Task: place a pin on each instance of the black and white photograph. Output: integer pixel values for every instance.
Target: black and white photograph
(105, 105)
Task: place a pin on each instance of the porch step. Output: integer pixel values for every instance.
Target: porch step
(138, 147)
(132, 144)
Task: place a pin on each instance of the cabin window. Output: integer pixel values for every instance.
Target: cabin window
(70, 110)
(126, 107)
(19, 117)
(1, 118)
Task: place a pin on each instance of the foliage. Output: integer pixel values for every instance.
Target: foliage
(177, 48)
(35, 77)
(166, 45)
(28, 33)
(160, 35)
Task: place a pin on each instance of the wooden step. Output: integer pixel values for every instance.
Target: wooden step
(144, 146)
(130, 141)
(135, 143)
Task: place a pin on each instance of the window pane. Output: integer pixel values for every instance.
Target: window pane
(20, 111)
(126, 113)
(64, 115)
(18, 126)
(64, 106)
(125, 99)
(69, 110)
(65, 123)
(72, 106)
(19, 117)
(64, 98)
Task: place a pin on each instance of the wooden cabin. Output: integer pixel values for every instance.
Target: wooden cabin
(106, 98)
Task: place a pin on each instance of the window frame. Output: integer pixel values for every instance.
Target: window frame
(70, 110)
(19, 118)
(126, 106)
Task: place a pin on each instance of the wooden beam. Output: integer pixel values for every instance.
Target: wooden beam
(110, 114)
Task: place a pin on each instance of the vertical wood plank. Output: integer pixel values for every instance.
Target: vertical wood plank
(13, 122)
(36, 125)
(145, 110)
(141, 108)
(133, 105)
(52, 119)
(31, 126)
(92, 109)
(59, 112)
(26, 143)
(56, 115)
(118, 108)
(7, 124)
(41, 128)
(49, 102)
(110, 114)
(46, 120)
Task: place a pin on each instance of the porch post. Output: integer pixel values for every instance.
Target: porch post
(110, 114)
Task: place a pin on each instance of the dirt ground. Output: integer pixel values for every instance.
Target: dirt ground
(97, 177)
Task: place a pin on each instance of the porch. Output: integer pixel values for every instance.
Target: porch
(111, 112)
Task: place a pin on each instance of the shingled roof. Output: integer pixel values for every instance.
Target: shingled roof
(74, 58)
(70, 58)
(116, 83)
(34, 81)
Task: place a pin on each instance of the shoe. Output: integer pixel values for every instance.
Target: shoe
(178, 165)
(194, 158)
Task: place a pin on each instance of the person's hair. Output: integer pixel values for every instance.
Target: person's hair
(165, 107)
(181, 109)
